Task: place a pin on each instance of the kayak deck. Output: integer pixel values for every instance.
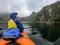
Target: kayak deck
(25, 40)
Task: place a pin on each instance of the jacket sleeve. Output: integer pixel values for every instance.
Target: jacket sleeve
(19, 24)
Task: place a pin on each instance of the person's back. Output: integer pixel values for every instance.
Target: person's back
(12, 24)
(16, 20)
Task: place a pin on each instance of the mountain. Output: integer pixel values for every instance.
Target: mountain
(29, 18)
(49, 12)
(32, 16)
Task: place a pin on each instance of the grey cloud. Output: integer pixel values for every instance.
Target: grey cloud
(36, 5)
(23, 5)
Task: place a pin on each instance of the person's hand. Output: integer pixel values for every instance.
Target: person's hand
(21, 31)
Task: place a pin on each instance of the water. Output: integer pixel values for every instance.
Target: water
(27, 28)
(37, 37)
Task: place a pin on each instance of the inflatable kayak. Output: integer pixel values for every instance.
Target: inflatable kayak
(25, 40)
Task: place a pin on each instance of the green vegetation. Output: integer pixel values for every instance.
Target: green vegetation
(57, 18)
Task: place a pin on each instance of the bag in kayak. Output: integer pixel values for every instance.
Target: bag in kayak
(11, 33)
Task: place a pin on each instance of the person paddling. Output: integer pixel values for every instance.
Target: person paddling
(15, 27)
(14, 16)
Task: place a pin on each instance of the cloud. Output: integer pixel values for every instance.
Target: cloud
(37, 5)
(24, 11)
(20, 7)
(23, 7)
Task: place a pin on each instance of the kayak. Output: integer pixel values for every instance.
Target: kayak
(25, 40)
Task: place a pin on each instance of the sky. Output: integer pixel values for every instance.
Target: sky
(23, 7)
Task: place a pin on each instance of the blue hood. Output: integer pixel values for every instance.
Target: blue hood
(13, 15)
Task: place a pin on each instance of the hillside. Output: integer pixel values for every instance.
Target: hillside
(1, 19)
(49, 12)
(4, 16)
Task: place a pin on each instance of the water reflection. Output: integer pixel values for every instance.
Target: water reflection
(50, 32)
(36, 36)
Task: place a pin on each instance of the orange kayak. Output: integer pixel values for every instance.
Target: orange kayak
(25, 40)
